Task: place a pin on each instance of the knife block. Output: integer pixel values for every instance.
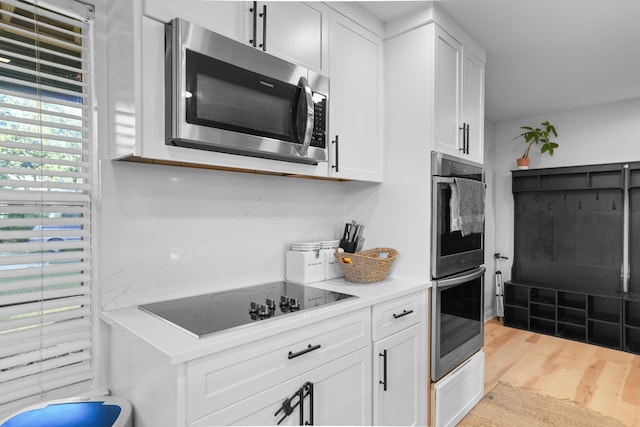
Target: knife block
(348, 246)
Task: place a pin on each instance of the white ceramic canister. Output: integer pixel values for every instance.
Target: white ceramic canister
(332, 265)
(305, 263)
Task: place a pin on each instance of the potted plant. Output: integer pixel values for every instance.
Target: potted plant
(539, 135)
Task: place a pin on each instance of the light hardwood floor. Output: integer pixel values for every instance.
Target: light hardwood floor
(605, 380)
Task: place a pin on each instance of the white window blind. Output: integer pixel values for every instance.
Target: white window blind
(45, 203)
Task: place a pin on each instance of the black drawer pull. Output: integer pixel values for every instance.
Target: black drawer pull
(293, 355)
(404, 313)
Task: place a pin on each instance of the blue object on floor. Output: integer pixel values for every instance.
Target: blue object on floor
(98, 412)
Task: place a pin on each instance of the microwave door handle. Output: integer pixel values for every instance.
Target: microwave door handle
(307, 106)
(456, 280)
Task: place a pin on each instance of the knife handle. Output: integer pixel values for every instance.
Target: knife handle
(345, 235)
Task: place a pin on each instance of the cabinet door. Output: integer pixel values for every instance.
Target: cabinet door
(448, 69)
(297, 32)
(342, 390)
(355, 101)
(402, 402)
(473, 103)
(225, 17)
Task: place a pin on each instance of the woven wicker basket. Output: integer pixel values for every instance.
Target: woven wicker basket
(366, 266)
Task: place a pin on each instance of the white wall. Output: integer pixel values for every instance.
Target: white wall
(169, 231)
(489, 221)
(607, 133)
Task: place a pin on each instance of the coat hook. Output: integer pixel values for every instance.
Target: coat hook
(537, 197)
(580, 205)
(565, 197)
(524, 206)
(614, 205)
(597, 196)
(549, 207)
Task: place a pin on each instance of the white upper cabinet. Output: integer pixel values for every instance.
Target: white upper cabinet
(459, 98)
(448, 71)
(473, 103)
(298, 32)
(294, 31)
(312, 35)
(355, 102)
(228, 18)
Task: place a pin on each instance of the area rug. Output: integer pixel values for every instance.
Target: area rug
(509, 406)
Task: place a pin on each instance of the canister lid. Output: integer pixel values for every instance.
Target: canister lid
(329, 244)
(304, 247)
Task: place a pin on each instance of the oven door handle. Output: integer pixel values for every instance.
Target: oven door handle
(443, 180)
(456, 280)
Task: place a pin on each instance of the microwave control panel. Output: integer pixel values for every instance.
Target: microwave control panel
(318, 138)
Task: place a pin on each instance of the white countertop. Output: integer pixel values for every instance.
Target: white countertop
(180, 346)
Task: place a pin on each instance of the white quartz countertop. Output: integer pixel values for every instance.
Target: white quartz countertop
(179, 346)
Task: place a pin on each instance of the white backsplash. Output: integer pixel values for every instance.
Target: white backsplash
(170, 231)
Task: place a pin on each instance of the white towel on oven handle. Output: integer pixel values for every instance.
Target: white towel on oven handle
(470, 205)
(454, 208)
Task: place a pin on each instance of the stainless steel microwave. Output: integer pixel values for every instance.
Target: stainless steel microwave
(225, 96)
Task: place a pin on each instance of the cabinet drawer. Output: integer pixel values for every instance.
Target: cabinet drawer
(397, 314)
(222, 379)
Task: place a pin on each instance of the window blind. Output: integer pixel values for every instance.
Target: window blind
(45, 203)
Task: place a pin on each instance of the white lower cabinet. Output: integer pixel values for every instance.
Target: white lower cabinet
(399, 362)
(333, 364)
(397, 369)
(340, 392)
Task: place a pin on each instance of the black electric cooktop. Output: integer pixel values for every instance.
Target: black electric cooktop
(203, 315)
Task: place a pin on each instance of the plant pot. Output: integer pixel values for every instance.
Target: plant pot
(523, 163)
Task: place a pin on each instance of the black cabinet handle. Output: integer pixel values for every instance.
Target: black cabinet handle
(465, 138)
(336, 166)
(467, 131)
(307, 390)
(263, 15)
(404, 313)
(384, 369)
(310, 348)
(254, 11)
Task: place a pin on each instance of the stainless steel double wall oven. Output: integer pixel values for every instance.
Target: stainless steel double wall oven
(457, 295)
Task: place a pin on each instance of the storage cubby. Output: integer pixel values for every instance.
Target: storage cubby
(547, 327)
(572, 300)
(604, 334)
(604, 309)
(543, 311)
(517, 296)
(516, 317)
(577, 316)
(571, 316)
(632, 339)
(632, 325)
(543, 296)
(632, 313)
